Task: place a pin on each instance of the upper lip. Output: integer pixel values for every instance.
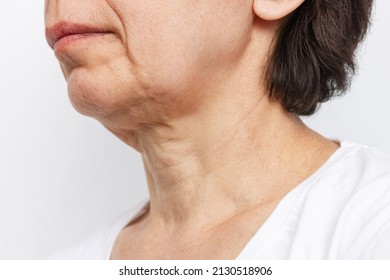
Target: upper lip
(60, 30)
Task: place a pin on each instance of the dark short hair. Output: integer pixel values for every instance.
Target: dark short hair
(313, 58)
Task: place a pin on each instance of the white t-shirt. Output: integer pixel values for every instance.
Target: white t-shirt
(342, 211)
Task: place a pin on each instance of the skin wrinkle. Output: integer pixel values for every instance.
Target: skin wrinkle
(181, 82)
(124, 39)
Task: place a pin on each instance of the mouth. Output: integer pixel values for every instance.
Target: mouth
(63, 33)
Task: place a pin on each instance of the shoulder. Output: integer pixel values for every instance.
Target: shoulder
(369, 161)
(98, 245)
(356, 168)
(343, 210)
(362, 188)
(363, 174)
(355, 175)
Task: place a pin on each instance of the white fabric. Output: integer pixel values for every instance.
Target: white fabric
(342, 211)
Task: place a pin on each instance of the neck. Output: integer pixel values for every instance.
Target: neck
(203, 170)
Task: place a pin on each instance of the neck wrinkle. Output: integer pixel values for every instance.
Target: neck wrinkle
(199, 178)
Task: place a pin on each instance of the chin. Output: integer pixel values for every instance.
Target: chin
(94, 96)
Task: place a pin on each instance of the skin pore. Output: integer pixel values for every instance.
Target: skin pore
(181, 82)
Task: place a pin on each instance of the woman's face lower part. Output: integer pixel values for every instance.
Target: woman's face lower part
(145, 57)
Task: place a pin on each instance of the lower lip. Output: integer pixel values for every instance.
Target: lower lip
(69, 40)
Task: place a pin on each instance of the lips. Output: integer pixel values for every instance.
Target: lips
(63, 31)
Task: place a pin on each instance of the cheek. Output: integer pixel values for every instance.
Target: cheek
(182, 42)
(157, 43)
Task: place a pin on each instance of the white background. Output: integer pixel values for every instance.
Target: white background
(62, 175)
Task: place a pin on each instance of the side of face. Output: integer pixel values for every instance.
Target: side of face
(157, 59)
